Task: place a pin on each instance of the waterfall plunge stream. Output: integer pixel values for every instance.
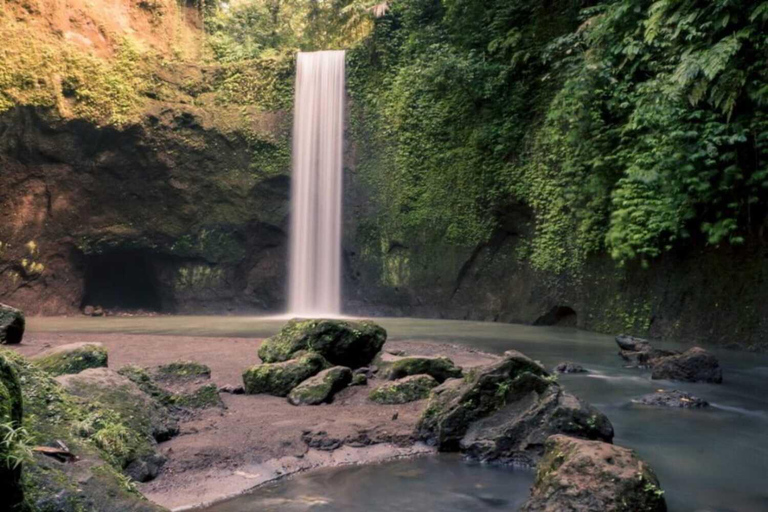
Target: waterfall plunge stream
(318, 132)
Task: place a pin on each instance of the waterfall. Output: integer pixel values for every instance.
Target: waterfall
(318, 131)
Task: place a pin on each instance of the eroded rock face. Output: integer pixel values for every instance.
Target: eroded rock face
(279, 379)
(321, 388)
(693, 365)
(350, 344)
(578, 475)
(12, 324)
(72, 358)
(408, 389)
(672, 398)
(439, 368)
(505, 411)
(11, 411)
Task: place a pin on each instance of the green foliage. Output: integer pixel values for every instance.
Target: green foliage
(627, 127)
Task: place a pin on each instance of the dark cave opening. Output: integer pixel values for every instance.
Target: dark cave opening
(562, 316)
(123, 281)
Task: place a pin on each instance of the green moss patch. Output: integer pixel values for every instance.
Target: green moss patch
(440, 368)
(409, 389)
(280, 378)
(72, 358)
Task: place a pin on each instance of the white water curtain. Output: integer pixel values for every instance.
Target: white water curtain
(316, 185)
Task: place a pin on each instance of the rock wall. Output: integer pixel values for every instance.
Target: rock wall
(169, 214)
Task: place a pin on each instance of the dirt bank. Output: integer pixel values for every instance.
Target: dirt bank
(257, 438)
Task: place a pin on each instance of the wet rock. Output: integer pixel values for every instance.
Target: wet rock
(585, 476)
(644, 358)
(279, 379)
(342, 343)
(672, 398)
(440, 368)
(359, 379)
(409, 389)
(72, 358)
(11, 412)
(693, 365)
(12, 324)
(321, 388)
(568, 367)
(504, 412)
(632, 344)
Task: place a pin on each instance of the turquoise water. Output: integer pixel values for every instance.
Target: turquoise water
(712, 460)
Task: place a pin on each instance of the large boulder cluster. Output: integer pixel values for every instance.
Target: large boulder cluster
(694, 365)
(504, 412)
(309, 361)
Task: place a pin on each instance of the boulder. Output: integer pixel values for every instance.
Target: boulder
(123, 420)
(140, 412)
(12, 325)
(632, 344)
(279, 379)
(342, 343)
(409, 389)
(440, 368)
(569, 367)
(11, 412)
(182, 372)
(672, 398)
(504, 411)
(72, 358)
(693, 365)
(644, 358)
(359, 379)
(321, 388)
(578, 475)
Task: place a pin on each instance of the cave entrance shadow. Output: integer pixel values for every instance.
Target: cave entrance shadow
(123, 280)
(562, 316)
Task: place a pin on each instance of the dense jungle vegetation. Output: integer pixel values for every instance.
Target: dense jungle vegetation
(628, 126)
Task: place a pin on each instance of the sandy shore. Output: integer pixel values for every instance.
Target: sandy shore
(257, 438)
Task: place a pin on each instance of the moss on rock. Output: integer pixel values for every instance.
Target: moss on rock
(72, 358)
(351, 344)
(10, 422)
(12, 325)
(440, 368)
(321, 388)
(202, 398)
(182, 371)
(409, 389)
(280, 378)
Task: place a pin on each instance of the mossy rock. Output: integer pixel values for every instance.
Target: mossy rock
(440, 368)
(342, 343)
(51, 413)
(279, 379)
(202, 398)
(321, 388)
(409, 389)
(359, 379)
(72, 358)
(12, 325)
(576, 474)
(182, 371)
(141, 377)
(11, 413)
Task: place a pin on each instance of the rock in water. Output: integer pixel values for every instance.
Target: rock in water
(693, 365)
(409, 389)
(504, 412)
(321, 388)
(350, 344)
(12, 325)
(10, 415)
(632, 344)
(586, 476)
(440, 368)
(672, 398)
(279, 379)
(72, 358)
(569, 367)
